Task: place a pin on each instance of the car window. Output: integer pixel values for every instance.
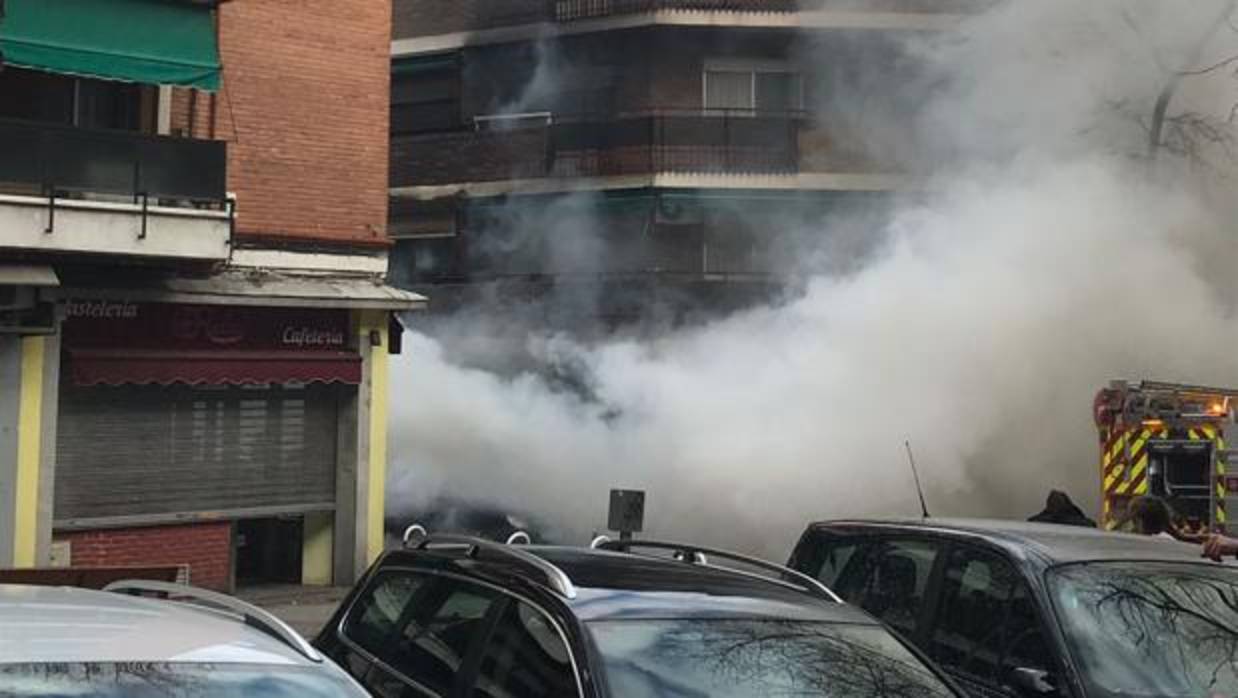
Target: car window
(172, 680)
(987, 624)
(756, 657)
(525, 658)
(373, 620)
(891, 582)
(835, 556)
(437, 631)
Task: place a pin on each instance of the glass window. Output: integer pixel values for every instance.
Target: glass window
(726, 89)
(777, 92)
(987, 623)
(445, 620)
(834, 560)
(892, 581)
(526, 658)
(749, 90)
(741, 658)
(1151, 629)
(170, 680)
(373, 621)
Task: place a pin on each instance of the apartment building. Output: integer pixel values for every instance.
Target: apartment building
(643, 153)
(194, 318)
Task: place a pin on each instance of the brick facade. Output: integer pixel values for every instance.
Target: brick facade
(205, 548)
(304, 108)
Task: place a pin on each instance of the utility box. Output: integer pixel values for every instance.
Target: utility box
(627, 511)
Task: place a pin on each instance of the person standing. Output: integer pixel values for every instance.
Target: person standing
(1059, 509)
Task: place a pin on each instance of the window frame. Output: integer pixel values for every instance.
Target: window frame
(471, 661)
(753, 67)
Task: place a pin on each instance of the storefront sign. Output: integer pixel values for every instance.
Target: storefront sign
(94, 324)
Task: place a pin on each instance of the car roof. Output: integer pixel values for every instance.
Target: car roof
(1049, 544)
(62, 624)
(614, 585)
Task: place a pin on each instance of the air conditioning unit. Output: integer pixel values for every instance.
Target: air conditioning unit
(17, 297)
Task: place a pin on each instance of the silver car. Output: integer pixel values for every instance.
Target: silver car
(59, 641)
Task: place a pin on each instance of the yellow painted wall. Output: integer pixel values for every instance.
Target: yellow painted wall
(29, 451)
(317, 549)
(379, 377)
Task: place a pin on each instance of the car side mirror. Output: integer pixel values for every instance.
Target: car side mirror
(1033, 682)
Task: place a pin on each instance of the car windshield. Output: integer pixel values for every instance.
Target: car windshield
(170, 680)
(1151, 629)
(744, 658)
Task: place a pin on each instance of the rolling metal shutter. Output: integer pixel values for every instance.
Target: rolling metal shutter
(136, 453)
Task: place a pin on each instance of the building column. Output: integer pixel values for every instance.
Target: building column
(29, 379)
(317, 548)
(361, 480)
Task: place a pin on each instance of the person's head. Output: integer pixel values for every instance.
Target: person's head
(1151, 516)
(1058, 501)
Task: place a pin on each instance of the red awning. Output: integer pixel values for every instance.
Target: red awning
(114, 367)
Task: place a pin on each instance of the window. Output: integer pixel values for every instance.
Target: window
(834, 560)
(375, 617)
(526, 658)
(425, 96)
(891, 582)
(987, 623)
(438, 629)
(752, 88)
(37, 96)
(420, 626)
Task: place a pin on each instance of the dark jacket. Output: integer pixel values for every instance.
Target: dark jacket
(1060, 510)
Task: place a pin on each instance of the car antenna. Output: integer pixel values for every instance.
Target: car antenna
(911, 458)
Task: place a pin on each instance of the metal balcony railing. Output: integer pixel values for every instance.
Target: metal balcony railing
(570, 10)
(497, 13)
(65, 159)
(57, 161)
(715, 141)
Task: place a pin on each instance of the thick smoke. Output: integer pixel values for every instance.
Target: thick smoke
(1047, 259)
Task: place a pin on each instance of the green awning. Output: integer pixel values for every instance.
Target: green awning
(158, 42)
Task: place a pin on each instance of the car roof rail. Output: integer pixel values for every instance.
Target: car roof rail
(551, 575)
(696, 555)
(250, 614)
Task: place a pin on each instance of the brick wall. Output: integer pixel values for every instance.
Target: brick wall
(206, 548)
(304, 108)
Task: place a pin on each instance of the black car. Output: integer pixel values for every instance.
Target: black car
(451, 616)
(1025, 609)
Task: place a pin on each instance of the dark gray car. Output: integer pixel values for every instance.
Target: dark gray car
(1024, 609)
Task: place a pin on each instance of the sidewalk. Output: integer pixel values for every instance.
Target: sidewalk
(305, 608)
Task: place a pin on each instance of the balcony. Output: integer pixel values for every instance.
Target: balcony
(741, 142)
(509, 12)
(75, 191)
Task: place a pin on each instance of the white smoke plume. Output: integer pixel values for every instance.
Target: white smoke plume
(1045, 261)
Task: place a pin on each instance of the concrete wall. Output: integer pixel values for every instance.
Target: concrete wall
(361, 481)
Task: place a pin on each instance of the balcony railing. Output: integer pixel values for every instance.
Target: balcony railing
(53, 160)
(495, 13)
(719, 141)
(571, 10)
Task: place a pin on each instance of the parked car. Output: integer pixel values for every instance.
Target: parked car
(459, 516)
(58, 641)
(1026, 609)
(461, 616)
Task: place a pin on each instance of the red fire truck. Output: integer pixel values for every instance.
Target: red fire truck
(1166, 440)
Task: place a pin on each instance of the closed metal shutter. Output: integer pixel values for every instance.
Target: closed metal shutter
(153, 452)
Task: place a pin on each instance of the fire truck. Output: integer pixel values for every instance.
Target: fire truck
(1167, 440)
